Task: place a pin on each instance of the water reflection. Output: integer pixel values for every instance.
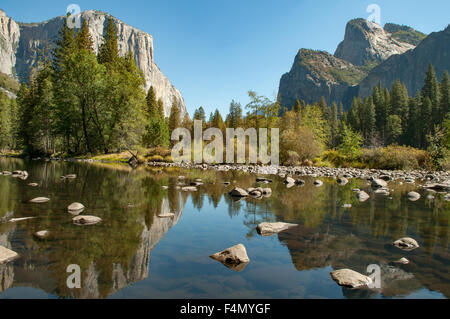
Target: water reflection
(116, 253)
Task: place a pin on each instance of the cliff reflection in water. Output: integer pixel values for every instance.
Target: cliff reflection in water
(117, 252)
(112, 255)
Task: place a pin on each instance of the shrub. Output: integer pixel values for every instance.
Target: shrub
(395, 157)
(297, 145)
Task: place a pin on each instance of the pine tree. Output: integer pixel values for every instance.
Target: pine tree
(161, 108)
(297, 106)
(84, 39)
(65, 46)
(174, 118)
(109, 50)
(152, 103)
(431, 90)
(444, 96)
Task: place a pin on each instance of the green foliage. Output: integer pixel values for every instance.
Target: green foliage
(82, 103)
(351, 142)
(404, 33)
(438, 147)
(9, 83)
(394, 157)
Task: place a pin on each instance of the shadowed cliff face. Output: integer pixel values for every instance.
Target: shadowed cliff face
(22, 44)
(410, 67)
(315, 74)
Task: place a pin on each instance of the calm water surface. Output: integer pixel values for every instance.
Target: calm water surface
(135, 254)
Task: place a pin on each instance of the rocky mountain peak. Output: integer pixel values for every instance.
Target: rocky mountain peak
(367, 42)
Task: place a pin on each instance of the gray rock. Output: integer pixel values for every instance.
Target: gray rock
(167, 215)
(362, 196)
(406, 243)
(33, 184)
(382, 191)
(413, 196)
(376, 182)
(189, 189)
(40, 200)
(16, 220)
(238, 192)
(402, 261)
(75, 207)
(289, 180)
(342, 180)
(235, 257)
(42, 234)
(269, 229)
(7, 255)
(347, 206)
(86, 220)
(318, 183)
(350, 278)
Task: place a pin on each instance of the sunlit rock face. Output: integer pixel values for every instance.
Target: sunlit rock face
(22, 43)
(9, 41)
(366, 42)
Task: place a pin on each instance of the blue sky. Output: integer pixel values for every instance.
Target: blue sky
(214, 51)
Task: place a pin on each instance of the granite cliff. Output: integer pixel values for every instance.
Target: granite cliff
(21, 45)
(337, 77)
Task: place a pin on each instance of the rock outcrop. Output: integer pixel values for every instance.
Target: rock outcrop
(9, 42)
(338, 77)
(315, 74)
(367, 42)
(20, 44)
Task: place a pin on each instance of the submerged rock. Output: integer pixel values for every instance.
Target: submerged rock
(16, 220)
(234, 257)
(75, 207)
(40, 200)
(42, 234)
(350, 278)
(33, 184)
(86, 220)
(71, 176)
(362, 196)
(238, 192)
(347, 206)
(376, 182)
(289, 180)
(7, 255)
(406, 243)
(268, 229)
(402, 261)
(167, 215)
(413, 196)
(299, 182)
(342, 180)
(189, 189)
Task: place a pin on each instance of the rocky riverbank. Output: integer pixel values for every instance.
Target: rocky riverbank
(411, 176)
